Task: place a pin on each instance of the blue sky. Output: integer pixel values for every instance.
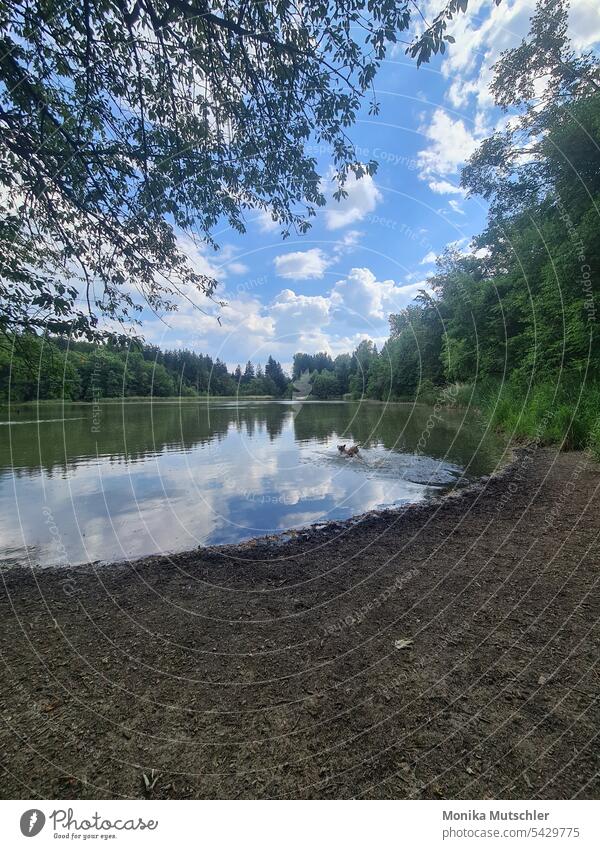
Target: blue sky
(368, 255)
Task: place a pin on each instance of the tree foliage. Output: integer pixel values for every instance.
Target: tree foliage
(311, 362)
(325, 385)
(539, 83)
(126, 122)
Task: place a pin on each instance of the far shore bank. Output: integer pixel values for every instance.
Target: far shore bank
(132, 399)
(186, 399)
(449, 650)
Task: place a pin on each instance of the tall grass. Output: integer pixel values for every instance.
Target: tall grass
(565, 413)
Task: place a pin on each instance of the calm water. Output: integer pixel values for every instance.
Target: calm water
(139, 478)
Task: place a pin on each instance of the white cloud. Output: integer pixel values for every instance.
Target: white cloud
(204, 260)
(265, 222)
(348, 241)
(299, 314)
(479, 43)
(302, 265)
(429, 258)
(237, 268)
(357, 306)
(481, 36)
(463, 246)
(456, 207)
(362, 198)
(369, 300)
(312, 264)
(584, 23)
(481, 39)
(450, 144)
(242, 315)
(200, 262)
(443, 187)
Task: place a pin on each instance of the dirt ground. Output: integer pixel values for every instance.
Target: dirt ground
(446, 651)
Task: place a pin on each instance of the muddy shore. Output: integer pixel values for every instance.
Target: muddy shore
(449, 650)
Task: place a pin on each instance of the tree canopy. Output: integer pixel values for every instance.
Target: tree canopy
(539, 82)
(126, 122)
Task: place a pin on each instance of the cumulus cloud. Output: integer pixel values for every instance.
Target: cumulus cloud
(463, 246)
(290, 310)
(584, 23)
(348, 241)
(357, 306)
(237, 268)
(449, 144)
(312, 264)
(362, 198)
(480, 39)
(369, 300)
(204, 260)
(302, 265)
(429, 258)
(244, 315)
(443, 187)
(195, 251)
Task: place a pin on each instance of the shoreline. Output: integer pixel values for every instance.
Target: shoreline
(443, 650)
(140, 399)
(320, 532)
(187, 399)
(314, 533)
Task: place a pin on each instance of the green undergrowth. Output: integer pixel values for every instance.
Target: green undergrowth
(564, 412)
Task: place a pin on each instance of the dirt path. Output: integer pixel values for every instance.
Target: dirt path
(273, 672)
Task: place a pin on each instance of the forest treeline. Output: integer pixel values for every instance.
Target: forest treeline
(37, 367)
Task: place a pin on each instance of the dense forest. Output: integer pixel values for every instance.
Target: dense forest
(37, 367)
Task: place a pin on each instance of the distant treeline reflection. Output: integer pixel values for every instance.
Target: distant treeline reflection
(126, 432)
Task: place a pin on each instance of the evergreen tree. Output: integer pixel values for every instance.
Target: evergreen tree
(248, 373)
(274, 371)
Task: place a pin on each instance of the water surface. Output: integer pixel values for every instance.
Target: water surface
(122, 480)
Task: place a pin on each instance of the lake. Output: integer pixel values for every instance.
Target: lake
(123, 480)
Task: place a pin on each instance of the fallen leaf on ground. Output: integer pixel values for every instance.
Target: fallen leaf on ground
(403, 643)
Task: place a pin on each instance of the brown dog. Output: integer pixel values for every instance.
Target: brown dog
(349, 452)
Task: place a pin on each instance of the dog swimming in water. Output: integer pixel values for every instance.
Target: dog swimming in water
(348, 452)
